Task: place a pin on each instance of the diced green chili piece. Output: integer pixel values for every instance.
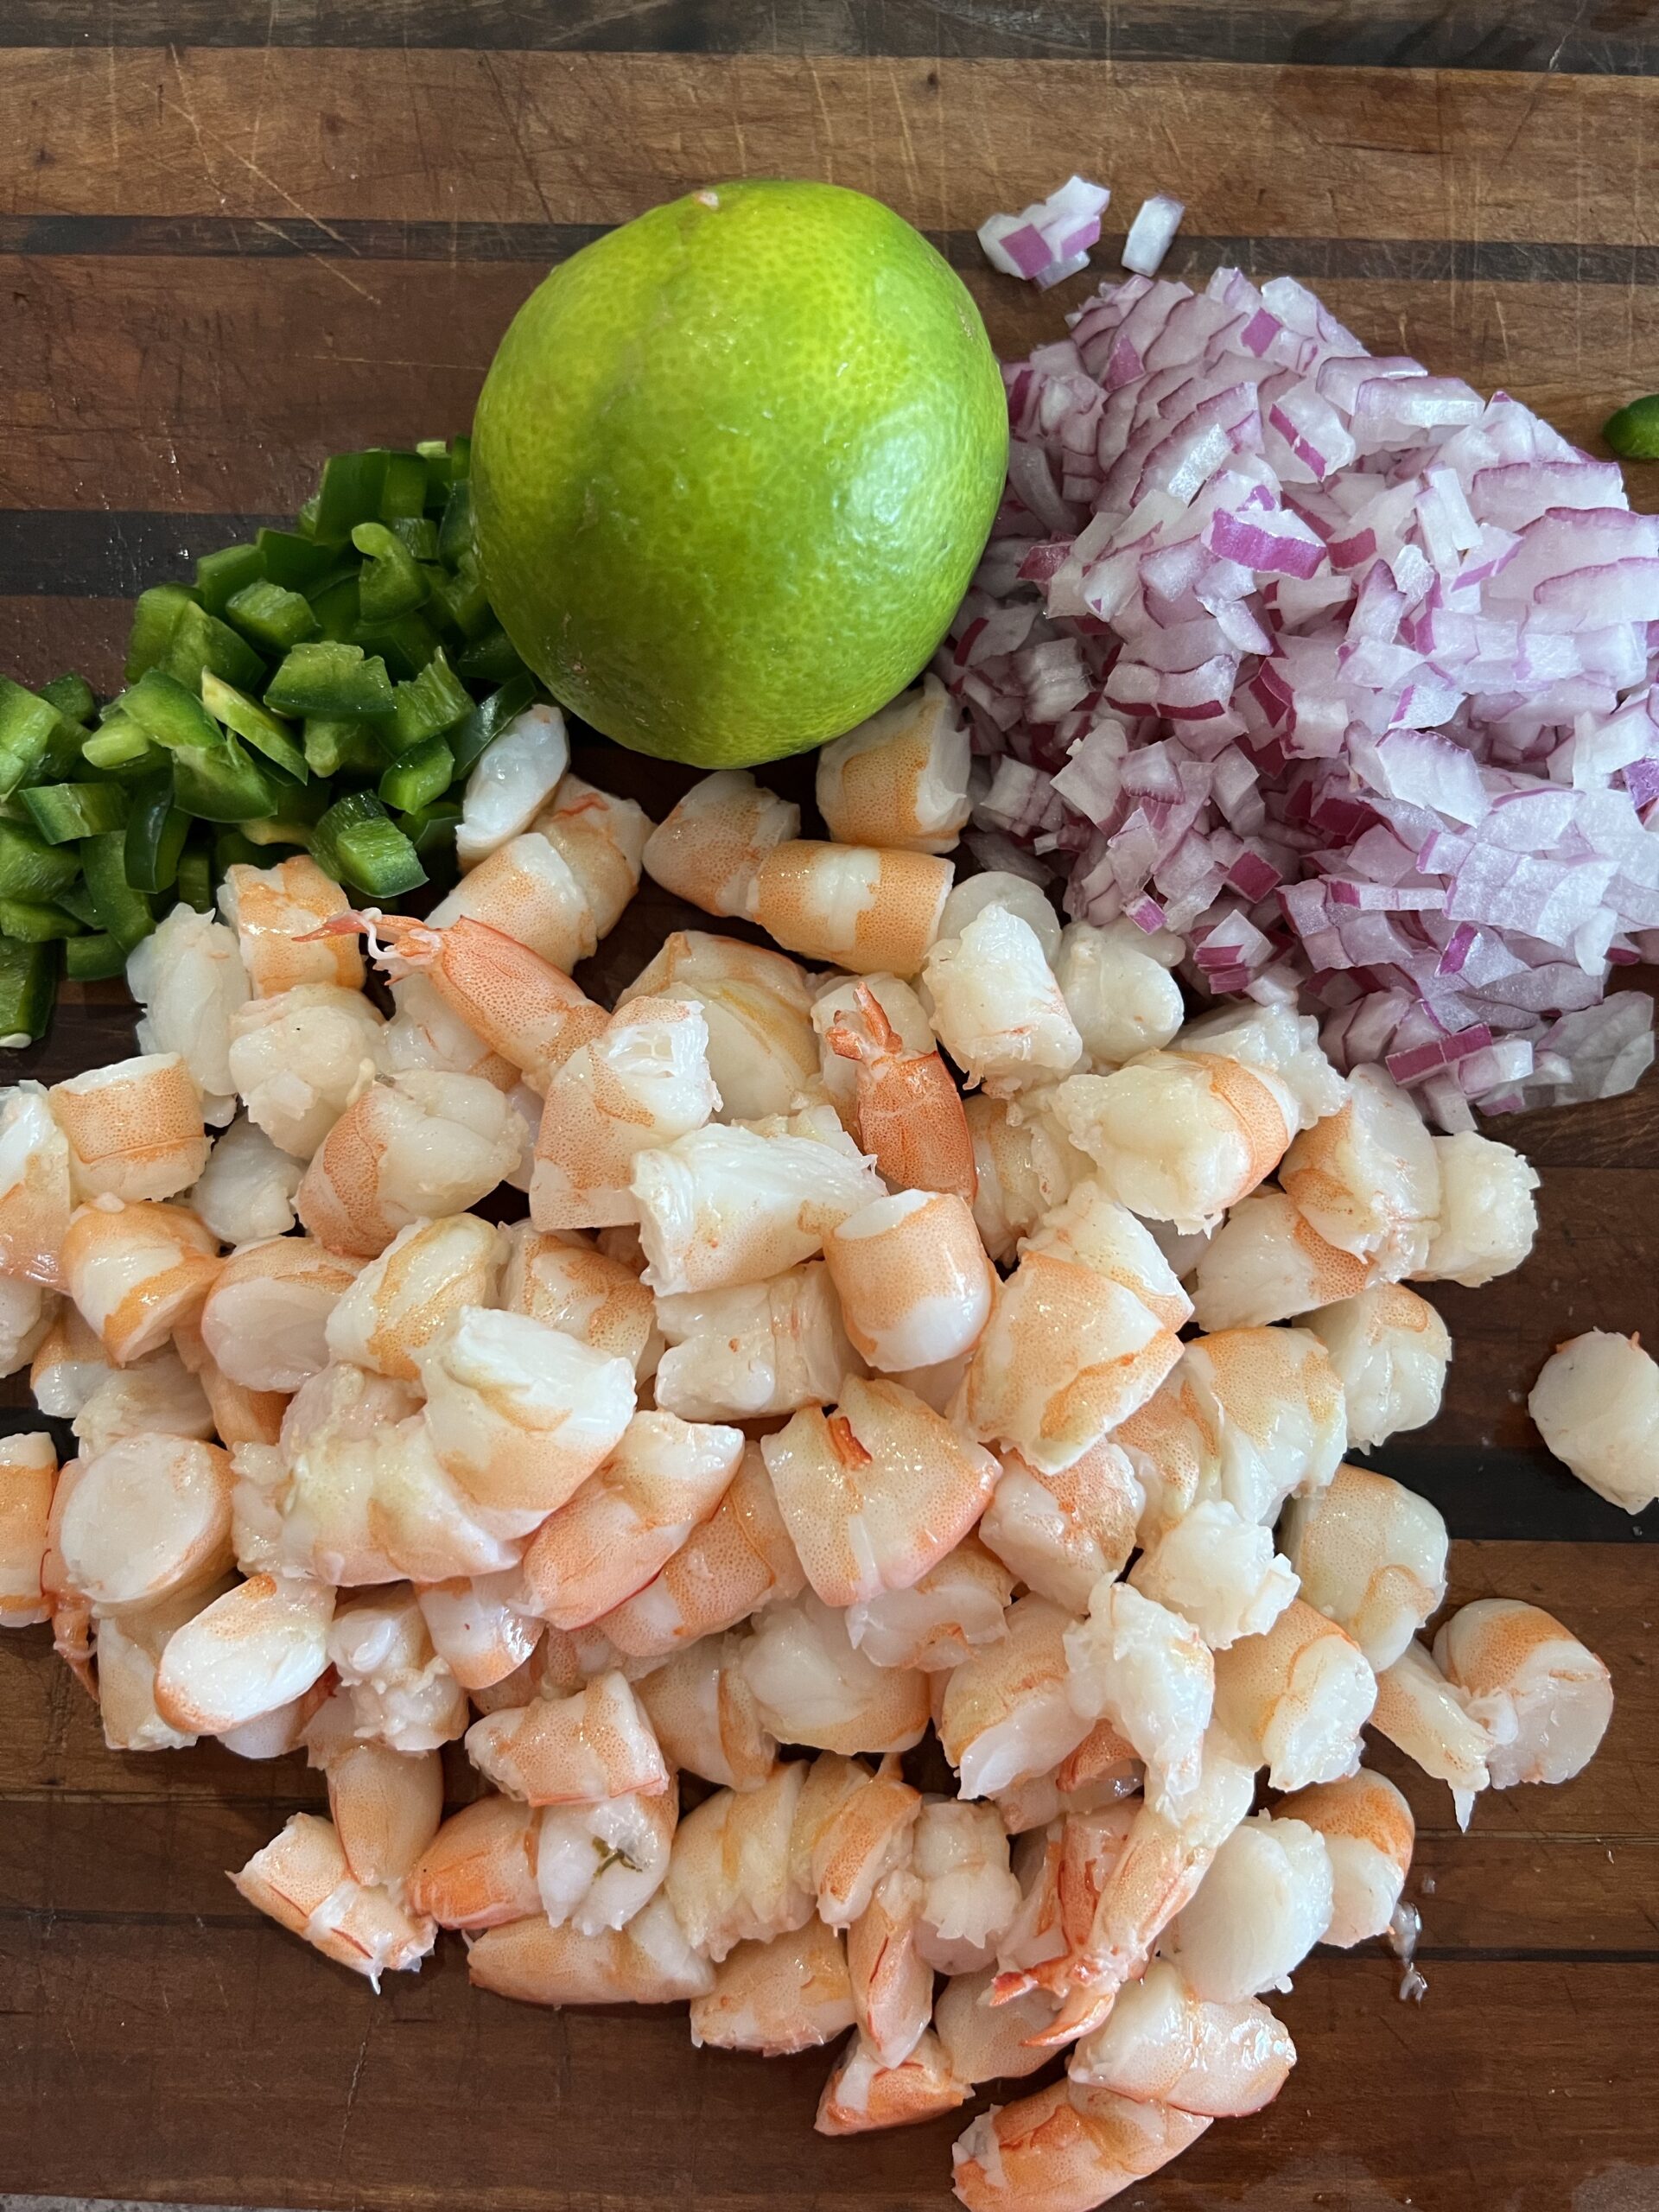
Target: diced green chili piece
(222, 782)
(419, 776)
(297, 561)
(73, 697)
(126, 914)
(405, 644)
(274, 617)
(200, 640)
(329, 678)
(431, 703)
(491, 658)
(195, 878)
(77, 900)
(169, 711)
(220, 575)
(1633, 433)
(431, 830)
(120, 749)
(156, 615)
(28, 723)
(455, 531)
(488, 719)
(28, 986)
(418, 532)
(23, 919)
(154, 835)
(93, 959)
(29, 868)
(336, 609)
(403, 492)
(391, 581)
(358, 842)
(62, 811)
(252, 722)
(458, 598)
(335, 745)
(349, 491)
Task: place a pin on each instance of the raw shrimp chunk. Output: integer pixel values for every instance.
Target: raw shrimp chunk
(1488, 1219)
(1149, 1672)
(135, 1128)
(479, 1871)
(757, 1005)
(872, 909)
(1368, 1833)
(1428, 1718)
(756, 1348)
(28, 1470)
(732, 1877)
(899, 778)
(517, 773)
(572, 1750)
(705, 1715)
(1372, 1556)
(647, 1962)
(970, 1894)
(1118, 989)
(739, 1559)
(246, 1193)
(937, 1622)
(299, 1058)
(187, 975)
(641, 1082)
(1544, 1698)
(1298, 1695)
(302, 1881)
(278, 914)
(789, 1993)
(1266, 1262)
(997, 1006)
(710, 849)
(1060, 1534)
(905, 1111)
(1007, 1715)
(1390, 1350)
(811, 1685)
(1066, 2149)
(602, 838)
(723, 1206)
(862, 2093)
(420, 1146)
(265, 1322)
(257, 1647)
(1219, 1571)
(36, 1198)
(147, 1516)
(1263, 1906)
(1596, 1402)
(598, 1865)
(914, 1284)
(582, 1292)
(481, 1626)
(392, 1308)
(528, 891)
(1366, 1178)
(1165, 2045)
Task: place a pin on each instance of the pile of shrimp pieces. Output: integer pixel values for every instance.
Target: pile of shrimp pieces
(835, 1389)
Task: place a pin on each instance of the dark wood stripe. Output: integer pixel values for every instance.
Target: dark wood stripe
(90, 553)
(1544, 36)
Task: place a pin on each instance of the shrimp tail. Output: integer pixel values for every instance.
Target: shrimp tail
(878, 1039)
(391, 937)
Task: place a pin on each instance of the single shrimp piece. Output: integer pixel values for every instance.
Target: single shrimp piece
(984, 2041)
(754, 1349)
(1298, 1695)
(528, 891)
(1429, 1719)
(300, 1058)
(664, 1477)
(912, 1278)
(602, 838)
(995, 1004)
(246, 1193)
(864, 1840)
(266, 1321)
(1263, 1906)
(277, 913)
(899, 778)
(188, 976)
(1366, 1178)
(159, 1396)
(386, 1806)
(138, 1271)
(732, 1877)
(301, 1881)
(424, 1032)
(1372, 1556)
(1149, 1672)
(260, 1645)
(394, 1688)
(1014, 894)
(574, 1751)
(36, 1198)
(959, 1855)
(422, 1145)
(1219, 1571)
(892, 1982)
(1065, 2149)
(515, 776)
(710, 849)
(757, 1007)
(1266, 1263)
(388, 1312)
(1061, 1534)
(135, 1128)
(789, 1993)
(1178, 1136)
(1488, 1218)
(1596, 1403)
(872, 909)
(862, 2094)
(274, 1734)
(737, 1561)
(69, 1365)
(906, 1112)
(479, 1870)
(480, 1627)
(641, 1082)
(558, 1665)
(1163, 2044)
(705, 1715)
(1005, 1715)
(1024, 1163)
(1544, 1698)
(26, 1314)
(1390, 1350)
(837, 999)
(28, 1470)
(956, 1606)
(131, 1646)
(1119, 990)
(598, 1865)
(70, 1614)
(1094, 1776)
(723, 1205)
(1092, 1228)
(1368, 1833)
(647, 1962)
(583, 1292)
(150, 1514)
(876, 1493)
(811, 1687)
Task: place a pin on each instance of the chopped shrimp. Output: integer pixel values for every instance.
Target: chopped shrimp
(573, 1751)
(583, 1292)
(138, 1271)
(69, 1365)
(266, 1319)
(1366, 1178)
(1263, 1906)
(877, 1492)
(603, 839)
(862, 2094)
(893, 1983)
(300, 1059)
(641, 1082)
(1065, 2149)
(1149, 1672)
(1266, 1263)
(480, 1627)
(1219, 1570)
(997, 1006)
(1544, 1697)
(710, 849)
(959, 1853)
(257, 1647)
(756, 1348)
(937, 1386)
(1024, 1164)
(1368, 1833)
(1165, 2045)
(1005, 1715)
(705, 1713)
(526, 890)
(1118, 989)
(839, 999)
(740, 1560)
(36, 1198)
(28, 1470)
(1060, 1534)
(135, 1128)
(1178, 1136)
(70, 1614)
(664, 1479)
(1090, 1227)
(422, 1145)
(515, 775)
(913, 1281)
(757, 1006)
(647, 1962)
(1298, 1695)
(149, 1516)
(1429, 1719)
(811, 1687)
(1014, 894)
(390, 1311)
(1596, 1403)
(789, 1993)
(188, 977)
(479, 1871)
(958, 1605)
(158, 1396)
(274, 1734)
(246, 1193)
(394, 1688)
(425, 1031)
(908, 1113)
(1390, 1350)
(1371, 1554)
(1488, 1219)
(869, 909)
(724, 1205)
(556, 1667)
(1095, 1776)
(301, 1880)
(865, 1838)
(278, 915)
(131, 1645)
(1065, 1357)
(988, 2041)
(386, 1806)
(599, 1864)
(899, 778)
(731, 1875)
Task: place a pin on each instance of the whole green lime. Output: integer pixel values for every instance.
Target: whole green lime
(733, 466)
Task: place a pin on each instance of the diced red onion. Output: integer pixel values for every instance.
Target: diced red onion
(1050, 239)
(1154, 225)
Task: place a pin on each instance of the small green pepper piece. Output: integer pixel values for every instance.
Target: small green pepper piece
(390, 582)
(220, 575)
(156, 615)
(349, 491)
(405, 644)
(63, 811)
(123, 912)
(455, 532)
(487, 721)
(1633, 433)
(419, 776)
(72, 697)
(155, 836)
(29, 868)
(30, 923)
(334, 745)
(272, 616)
(429, 704)
(93, 959)
(418, 532)
(431, 830)
(120, 749)
(200, 640)
(358, 844)
(77, 900)
(167, 711)
(334, 604)
(491, 659)
(458, 598)
(28, 988)
(403, 492)
(252, 722)
(222, 783)
(295, 561)
(329, 678)
(29, 724)
(195, 878)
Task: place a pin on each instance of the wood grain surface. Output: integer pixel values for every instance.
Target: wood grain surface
(235, 235)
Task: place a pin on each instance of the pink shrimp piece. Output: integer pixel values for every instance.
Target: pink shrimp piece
(706, 1717)
(386, 1806)
(135, 1128)
(150, 1515)
(479, 1626)
(862, 2094)
(1297, 1697)
(1545, 1698)
(865, 1839)
(301, 1880)
(1369, 1834)
(941, 1620)
(912, 1278)
(1164, 2044)
(900, 778)
(1006, 1714)
(136, 1272)
(710, 847)
(892, 1980)
(479, 1870)
(562, 1279)
(70, 1365)
(277, 914)
(572, 1752)
(640, 1083)
(812, 1686)
(29, 1472)
(261, 1645)
(265, 1322)
(36, 1198)
(647, 1962)
(788, 1994)
(1060, 1533)
(238, 1415)
(872, 910)
(602, 839)
(909, 1113)
(1066, 2149)
(391, 1310)
(734, 1875)
(984, 2041)
(423, 1144)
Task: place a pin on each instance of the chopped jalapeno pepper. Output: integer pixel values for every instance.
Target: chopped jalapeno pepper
(126, 914)
(274, 617)
(155, 836)
(358, 842)
(329, 678)
(252, 722)
(419, 776)
(29, 868)
(62, 811)
(220, 575)
(28, 986)
(93, 959)
(390, 582)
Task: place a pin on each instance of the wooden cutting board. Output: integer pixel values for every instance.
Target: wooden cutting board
(235, 235)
